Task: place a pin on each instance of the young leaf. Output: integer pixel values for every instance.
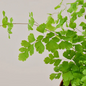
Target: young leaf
(3, 13)
(52, 76)
(5, 22)
(11, 20)
(31, 21)
(31, 38)
(31, 14)
(47, 60)
(41, 28)
(39, 47)
(58, 6)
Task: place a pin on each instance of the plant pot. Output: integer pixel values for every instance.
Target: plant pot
(61, 84)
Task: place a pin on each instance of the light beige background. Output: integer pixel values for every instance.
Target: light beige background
(32, 72)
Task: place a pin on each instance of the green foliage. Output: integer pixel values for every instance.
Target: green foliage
(58, 34)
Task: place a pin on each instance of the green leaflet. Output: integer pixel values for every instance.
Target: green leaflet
(41, 28)
(53, 44)
(73, 7)
(67, 76)
(64, 67)
(83, 79)
(23, 56)
(29, 27)
(72, 25)
(49, 35)
(84, 5)
(40, 37)
(58, 76)
(39, 47)
(70, 33)
(46, 40)
(3, 12)
(31, 38)
(25, 43)
(84, 44)
(84, 71)
(83, 25)
(47, 60)
(69, 54)
(78, 47)
(49, 23)
(31, 49)
(80, 2)
(56, 54)
(65, 44)
(55, 39)
(5, 23)
(31, 20)
(22, 49)
(52, 76)
(57, 62)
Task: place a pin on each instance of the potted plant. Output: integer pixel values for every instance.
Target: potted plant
(63, 33)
